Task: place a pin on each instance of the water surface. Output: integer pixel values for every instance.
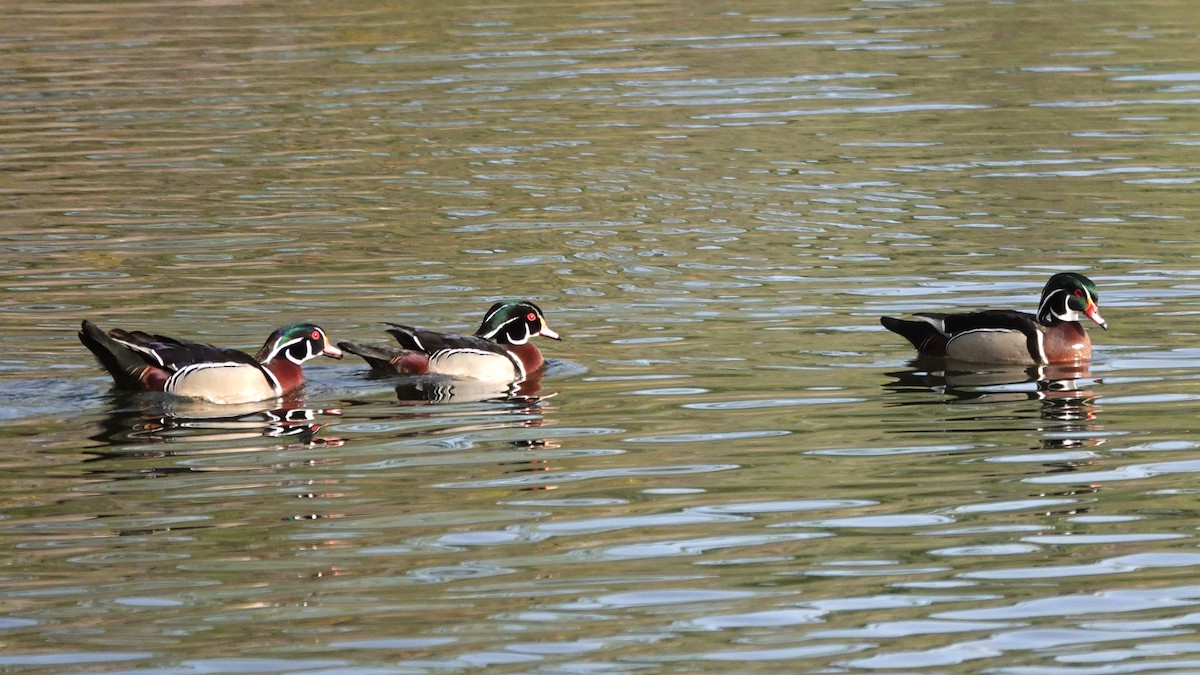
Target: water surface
(728, 460)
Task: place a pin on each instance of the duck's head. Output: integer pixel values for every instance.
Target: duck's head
(1070, 297)
(298, 343)
(514, 323)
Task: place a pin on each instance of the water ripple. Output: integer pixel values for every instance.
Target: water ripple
(555, 477)
(654, 598)
(998, 644)
(1119, 565)
(1131, 472)
(756, 404)
(880, 521)
(689, 547)
(711, 436)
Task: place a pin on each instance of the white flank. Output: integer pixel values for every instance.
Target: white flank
(225, 382)
(992, 345)
(477, 364)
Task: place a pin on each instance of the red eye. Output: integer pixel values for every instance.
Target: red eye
(531, 317)
(1078, 293)
(316, 335)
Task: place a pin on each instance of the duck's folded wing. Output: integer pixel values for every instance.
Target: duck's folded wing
(174, 354)
(991, 319)
(430, 342)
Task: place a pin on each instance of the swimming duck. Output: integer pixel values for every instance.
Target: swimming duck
(1053, 335)
(499, 351)
(144, 362)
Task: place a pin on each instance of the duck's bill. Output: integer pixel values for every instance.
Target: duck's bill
(546, 332)
(1093, 313)
(332, 352)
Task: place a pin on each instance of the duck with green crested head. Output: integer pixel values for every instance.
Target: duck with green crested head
(140, 361)
(500, 350)
(1053, 335)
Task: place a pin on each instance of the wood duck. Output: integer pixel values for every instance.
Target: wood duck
(500, 351)
(1053, 335)
(144, 362)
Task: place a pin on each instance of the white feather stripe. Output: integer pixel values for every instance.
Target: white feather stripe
(141, 349)
(517, 365)
(938, 324)
(224, 382)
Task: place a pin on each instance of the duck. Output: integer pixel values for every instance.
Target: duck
(140, 361)
(1053, 335)
(500, 351)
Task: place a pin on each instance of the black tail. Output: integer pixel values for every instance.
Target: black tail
(379, 358)
(124, 364)
(921, 334)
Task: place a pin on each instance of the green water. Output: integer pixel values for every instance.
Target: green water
(728, 465)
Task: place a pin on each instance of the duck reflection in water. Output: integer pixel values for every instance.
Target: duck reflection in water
(1062, 389)
(152, 419)
(427, 389)
(1066, 417)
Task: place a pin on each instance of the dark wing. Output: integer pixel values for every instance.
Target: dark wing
(380, 358)
(990, 319)
(429, 342)
(174, 354)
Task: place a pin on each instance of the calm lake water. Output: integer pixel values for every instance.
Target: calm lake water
(729, 465)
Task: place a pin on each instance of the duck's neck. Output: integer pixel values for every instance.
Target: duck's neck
(287, 373)
(530, 355)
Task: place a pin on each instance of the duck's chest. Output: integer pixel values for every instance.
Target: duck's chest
(1067, 343)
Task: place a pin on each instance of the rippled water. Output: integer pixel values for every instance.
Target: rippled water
(728, 464)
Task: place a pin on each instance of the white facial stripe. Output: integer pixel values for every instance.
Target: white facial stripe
(280, 347)
(1046, 302)
(308, 346)
(1067, 314)
(499, 329)
(491, 314)
(517, 341)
